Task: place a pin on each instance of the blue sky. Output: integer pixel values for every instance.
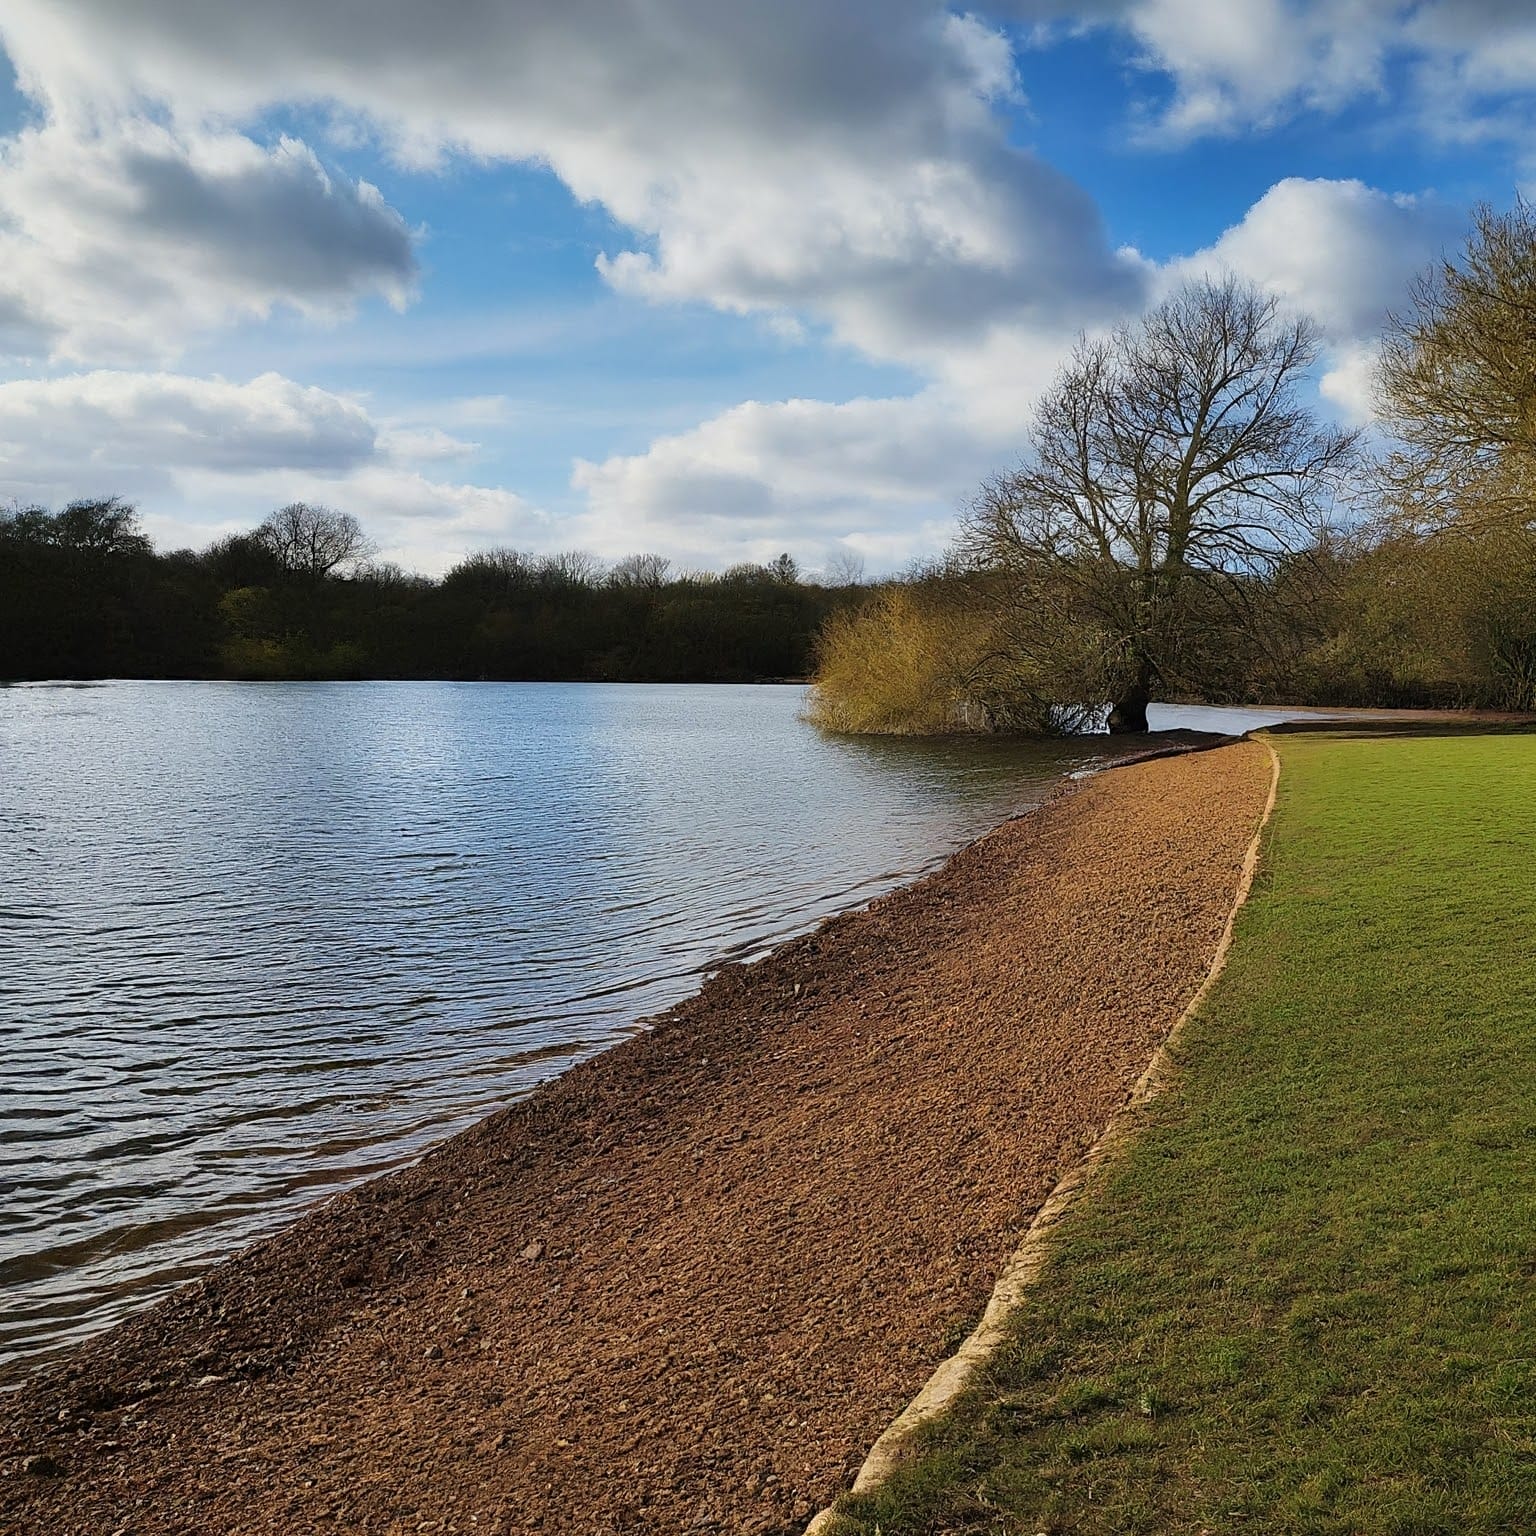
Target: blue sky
(712, 281)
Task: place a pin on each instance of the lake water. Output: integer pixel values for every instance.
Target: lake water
(257, 941)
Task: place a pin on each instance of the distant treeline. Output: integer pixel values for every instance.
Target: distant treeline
(83, 593)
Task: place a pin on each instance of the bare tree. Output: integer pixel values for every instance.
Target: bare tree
(493, 573)
(1168, 465)
(570, 568)
(314, 542)
(640, 571)
(1457, 380)
(845, 569)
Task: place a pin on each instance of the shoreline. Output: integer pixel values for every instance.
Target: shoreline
(77, 1271)
(900, 1441)
(686, 1284)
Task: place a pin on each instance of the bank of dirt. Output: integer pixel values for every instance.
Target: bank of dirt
(684, 1286)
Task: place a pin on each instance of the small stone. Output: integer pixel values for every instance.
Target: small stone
(534, 1251)
(42, 1466)
(434, 1352)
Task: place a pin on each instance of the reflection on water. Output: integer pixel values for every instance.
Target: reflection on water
(260, 940)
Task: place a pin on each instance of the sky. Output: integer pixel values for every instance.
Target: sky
(707, 280)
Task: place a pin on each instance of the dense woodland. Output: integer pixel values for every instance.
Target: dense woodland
(1179, 525)
(83, 594)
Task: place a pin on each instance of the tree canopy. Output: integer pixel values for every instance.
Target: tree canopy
(313, 542)
(1457, 380)
(1169, 463)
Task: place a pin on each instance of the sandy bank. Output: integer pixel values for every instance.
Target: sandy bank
(683, 1287)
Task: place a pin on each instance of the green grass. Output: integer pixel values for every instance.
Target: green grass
(1304, 1299)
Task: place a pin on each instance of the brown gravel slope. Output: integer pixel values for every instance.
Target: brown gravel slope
(684, 1286)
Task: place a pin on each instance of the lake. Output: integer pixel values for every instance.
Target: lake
(261, 940)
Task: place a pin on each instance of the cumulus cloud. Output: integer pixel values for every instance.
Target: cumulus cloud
(845, 161)
(117, 243)
(880, 477)
(1490, 44)
(134, 431)
(844, 166)
(427, 524)
(1350, 384)
(418, 522)
(1252, 65)
(886, 476)
(414, 445)
(181, 444)
(1340, 250)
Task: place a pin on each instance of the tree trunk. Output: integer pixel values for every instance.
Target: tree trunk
(1128, 715)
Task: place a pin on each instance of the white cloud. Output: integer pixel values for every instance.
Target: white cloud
(415, 445)
(881, 477)
(844, 162)
(180, 445)
(1244, 65)
(119, 243)
(420, 523)
(845, 166)
(1470, 64)
(1350, 384)
(427, 525)
(1340, 250)
(105, 432)
(1488, 46)
(1253, 64)
(886, 476)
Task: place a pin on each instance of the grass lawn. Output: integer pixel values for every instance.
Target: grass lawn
(1304, 1300)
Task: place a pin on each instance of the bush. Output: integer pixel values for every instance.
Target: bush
(919, 659)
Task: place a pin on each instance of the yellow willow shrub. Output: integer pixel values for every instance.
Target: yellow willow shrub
(916, 661)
